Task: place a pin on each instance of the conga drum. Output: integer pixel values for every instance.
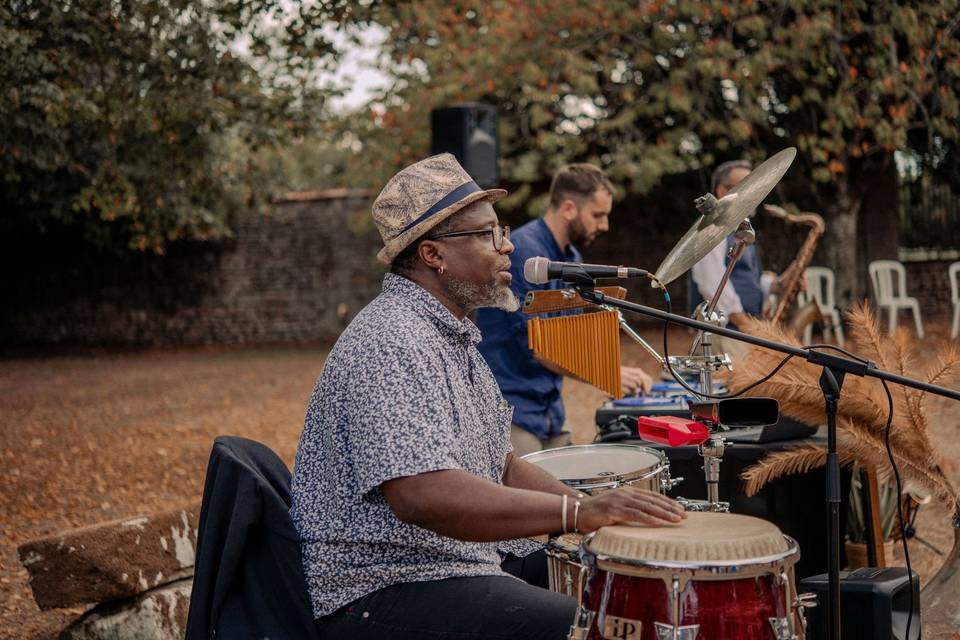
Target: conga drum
(713, 576)
(594, 468)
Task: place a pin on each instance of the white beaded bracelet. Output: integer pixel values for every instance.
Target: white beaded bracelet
(563, 509)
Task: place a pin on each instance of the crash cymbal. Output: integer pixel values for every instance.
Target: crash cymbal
(737, 204)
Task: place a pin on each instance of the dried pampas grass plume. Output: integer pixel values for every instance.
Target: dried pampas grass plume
(863, 406)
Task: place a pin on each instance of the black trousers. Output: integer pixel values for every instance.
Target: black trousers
(494, 607)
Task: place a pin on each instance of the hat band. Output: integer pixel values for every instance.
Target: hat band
(454, 196)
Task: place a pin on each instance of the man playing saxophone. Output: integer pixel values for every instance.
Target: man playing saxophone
(748, 286)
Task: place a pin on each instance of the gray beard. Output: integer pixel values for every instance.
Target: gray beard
(470, 296)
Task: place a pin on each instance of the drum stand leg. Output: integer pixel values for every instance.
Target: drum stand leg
(583, 618)
(712, 451)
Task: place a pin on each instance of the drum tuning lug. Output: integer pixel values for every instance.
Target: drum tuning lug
(669, 632)
(581, 624)
(667, 483)
(803, 602)
(781, 629)
(806, 600)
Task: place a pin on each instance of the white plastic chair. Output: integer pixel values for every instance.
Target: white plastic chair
(953, 272)
(889, 280)
(820, 287)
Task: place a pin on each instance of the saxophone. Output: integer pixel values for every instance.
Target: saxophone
(791, 278)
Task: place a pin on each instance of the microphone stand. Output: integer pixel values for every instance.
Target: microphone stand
(831, 383)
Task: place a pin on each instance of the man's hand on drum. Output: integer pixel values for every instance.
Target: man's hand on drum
(628, 504)
(634, 381)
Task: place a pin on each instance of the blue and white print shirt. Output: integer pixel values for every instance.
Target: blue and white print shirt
(404, 391)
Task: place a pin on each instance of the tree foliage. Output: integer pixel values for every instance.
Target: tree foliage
(660, 87)
(136, 119)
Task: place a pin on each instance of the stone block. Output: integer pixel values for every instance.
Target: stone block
(158, 614)
(111, 561)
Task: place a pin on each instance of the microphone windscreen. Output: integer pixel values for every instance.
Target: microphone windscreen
(535, 270)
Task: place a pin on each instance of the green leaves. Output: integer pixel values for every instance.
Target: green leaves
(113, 115)
(842, 82)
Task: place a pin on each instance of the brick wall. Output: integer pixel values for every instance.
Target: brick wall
(303, 271)
(928, 282)
(300, 273)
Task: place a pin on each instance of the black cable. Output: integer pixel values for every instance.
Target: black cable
(702, 393)
(834, 347)
(896, 474)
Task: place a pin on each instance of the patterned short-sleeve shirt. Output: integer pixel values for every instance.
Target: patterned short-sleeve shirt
(404, 391)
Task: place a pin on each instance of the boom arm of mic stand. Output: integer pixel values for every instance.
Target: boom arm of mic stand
(815, 357)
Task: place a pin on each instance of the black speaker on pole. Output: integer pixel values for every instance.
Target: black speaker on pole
(469, 132)
(874, 605)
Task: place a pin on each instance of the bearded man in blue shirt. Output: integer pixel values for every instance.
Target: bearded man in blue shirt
(581, 197)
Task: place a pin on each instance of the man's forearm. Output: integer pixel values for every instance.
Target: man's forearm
(459, 505)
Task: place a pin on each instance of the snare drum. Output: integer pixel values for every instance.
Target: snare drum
(714, 575)
(594, 468)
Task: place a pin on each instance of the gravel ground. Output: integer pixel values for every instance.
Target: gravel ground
(99, 435)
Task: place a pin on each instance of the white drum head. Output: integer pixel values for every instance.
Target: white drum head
(598, 463)
(701, 538)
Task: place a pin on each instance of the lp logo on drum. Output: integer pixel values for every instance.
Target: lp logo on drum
(621, 628)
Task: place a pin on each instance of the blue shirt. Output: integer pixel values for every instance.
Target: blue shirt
(533, 390)
(403, 392)
(745, 278)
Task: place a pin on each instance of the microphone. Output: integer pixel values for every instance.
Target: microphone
(539, 270)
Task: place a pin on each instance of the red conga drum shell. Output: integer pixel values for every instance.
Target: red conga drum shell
(714, 575)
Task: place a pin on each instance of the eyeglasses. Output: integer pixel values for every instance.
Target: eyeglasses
(500, 235)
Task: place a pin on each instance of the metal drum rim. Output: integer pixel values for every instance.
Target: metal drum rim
(606, 482)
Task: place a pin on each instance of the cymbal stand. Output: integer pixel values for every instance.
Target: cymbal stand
(627, 329)
(712, 450)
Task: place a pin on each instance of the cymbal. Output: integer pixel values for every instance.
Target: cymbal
(737, 204)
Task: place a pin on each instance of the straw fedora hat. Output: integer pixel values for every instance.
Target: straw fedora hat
(422, 196)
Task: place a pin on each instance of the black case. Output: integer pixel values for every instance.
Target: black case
(874, 604)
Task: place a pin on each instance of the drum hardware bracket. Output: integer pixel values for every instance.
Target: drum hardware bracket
(583, 620)
(712, 451)
(704, 505)
(716, 362)
(803, 602)
(582, 624)
(667, 483)
(706, 204)
(781, 629)
(674, 631)
(670, 632)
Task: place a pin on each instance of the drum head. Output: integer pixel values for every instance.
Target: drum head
(702, 538)
(588, 465)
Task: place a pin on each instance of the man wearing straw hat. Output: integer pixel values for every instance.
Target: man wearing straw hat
(581, 197)
(404, 481)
